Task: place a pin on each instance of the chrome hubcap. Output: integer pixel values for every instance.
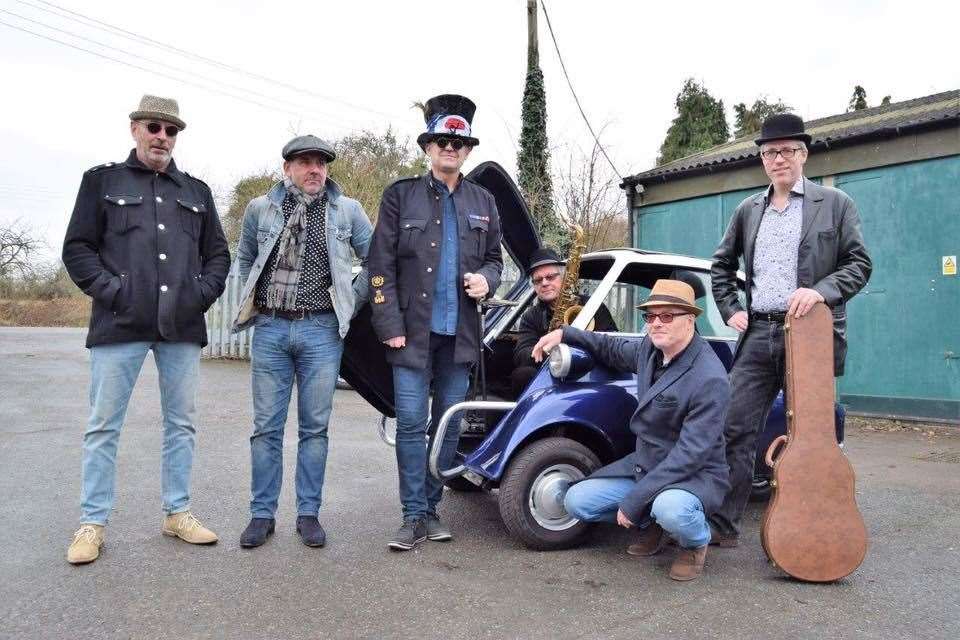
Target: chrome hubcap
(546, 496)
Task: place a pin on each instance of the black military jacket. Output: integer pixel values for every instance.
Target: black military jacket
(405, 255)
(149, 249)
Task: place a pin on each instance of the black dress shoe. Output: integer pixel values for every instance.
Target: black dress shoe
(257, 532)
(311, 533)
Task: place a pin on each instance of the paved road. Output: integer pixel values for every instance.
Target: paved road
(483, 585)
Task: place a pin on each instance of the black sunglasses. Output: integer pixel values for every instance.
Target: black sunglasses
(665, 318)
(155, 127)
(453, 142)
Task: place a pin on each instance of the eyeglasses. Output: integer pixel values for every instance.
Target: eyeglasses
(453, 142)
(550, 277)
(665, 318)
(788, 153)
(155, 127)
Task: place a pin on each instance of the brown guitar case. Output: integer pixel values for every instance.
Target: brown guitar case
(812, 528)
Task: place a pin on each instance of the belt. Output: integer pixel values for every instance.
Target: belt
(300, 314)
(769, 316)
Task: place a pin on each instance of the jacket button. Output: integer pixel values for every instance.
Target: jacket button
(161, 227)
(195, 210)
(437, 221)
(163, 288)
(437, 197)
(423, 295)
(121, 201)
(406, 226)
(163, 256)
(433, 244)
(429, 269)
(159, 199)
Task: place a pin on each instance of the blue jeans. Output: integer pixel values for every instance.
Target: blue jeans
(420, 492)
(308, 350)
(679, 512)
(114, 369)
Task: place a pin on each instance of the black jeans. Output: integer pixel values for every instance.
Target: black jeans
(756, 378)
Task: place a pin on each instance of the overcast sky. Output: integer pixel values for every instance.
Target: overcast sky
(360, 64)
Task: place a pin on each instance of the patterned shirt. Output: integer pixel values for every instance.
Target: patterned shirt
(313, 285)
(444, 313)
(775, 252)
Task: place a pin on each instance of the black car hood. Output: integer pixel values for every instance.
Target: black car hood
(364, 364)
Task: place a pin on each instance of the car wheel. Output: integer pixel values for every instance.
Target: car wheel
(532, 491)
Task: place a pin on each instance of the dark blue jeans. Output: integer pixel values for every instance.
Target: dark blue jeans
(755, 381)
(307, 351)
(420, 492)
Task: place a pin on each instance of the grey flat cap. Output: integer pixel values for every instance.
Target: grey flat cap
(157, 108)
(308, 144)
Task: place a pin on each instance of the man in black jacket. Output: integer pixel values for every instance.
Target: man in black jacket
(435, 254)
(546, 273)
(677, 475)
(800, 244)
(145, 243)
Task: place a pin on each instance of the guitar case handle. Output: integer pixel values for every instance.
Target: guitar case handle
(774, 448)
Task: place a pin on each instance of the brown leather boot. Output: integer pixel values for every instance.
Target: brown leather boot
(688, 565)
(651, 542)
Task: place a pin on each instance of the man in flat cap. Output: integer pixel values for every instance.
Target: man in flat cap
(800, 244)
(296, 252)
(435, 254)
(145, 243)
(546, 273)
(678, 475)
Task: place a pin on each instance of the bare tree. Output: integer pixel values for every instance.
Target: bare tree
(590, 196)
(18, 246)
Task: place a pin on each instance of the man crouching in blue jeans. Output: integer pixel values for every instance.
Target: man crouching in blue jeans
(678, 474)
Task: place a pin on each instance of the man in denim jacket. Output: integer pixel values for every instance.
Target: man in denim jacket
(295, 260)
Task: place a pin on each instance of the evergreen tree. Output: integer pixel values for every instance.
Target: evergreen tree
(748, 120)
(858, 100)
(700, 124)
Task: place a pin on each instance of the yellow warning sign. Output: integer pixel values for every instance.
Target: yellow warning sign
(949, 265)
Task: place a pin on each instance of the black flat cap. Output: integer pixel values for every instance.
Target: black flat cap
(308, 144)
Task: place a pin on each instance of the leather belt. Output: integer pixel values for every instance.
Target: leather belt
(771, 316)
(300, 314)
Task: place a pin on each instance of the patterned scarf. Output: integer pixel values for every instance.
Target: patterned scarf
(282, 290)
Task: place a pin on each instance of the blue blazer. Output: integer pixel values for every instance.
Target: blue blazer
(678, 422)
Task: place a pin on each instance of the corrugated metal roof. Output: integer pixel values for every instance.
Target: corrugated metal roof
(934, 110)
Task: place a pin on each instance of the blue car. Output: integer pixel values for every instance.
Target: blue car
(574, 415)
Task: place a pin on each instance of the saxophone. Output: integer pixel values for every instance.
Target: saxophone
(567, 306)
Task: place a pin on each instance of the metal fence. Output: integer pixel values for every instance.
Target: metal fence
(220, 342)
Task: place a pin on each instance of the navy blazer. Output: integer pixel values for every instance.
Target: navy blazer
(678, 422)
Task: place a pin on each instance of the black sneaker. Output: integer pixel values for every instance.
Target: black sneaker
(257, 532)
(311, 533)
(436, 530)
(412, 533)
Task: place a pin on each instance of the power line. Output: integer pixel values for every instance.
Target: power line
(302, 108)
(156, 72)
(574, 93)
(105, 26)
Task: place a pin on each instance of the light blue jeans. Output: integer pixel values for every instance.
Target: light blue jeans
(679, 512)
(282, 351)
(420, 492)
(114, 369)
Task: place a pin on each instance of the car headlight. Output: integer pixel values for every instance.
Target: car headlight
(559, 361)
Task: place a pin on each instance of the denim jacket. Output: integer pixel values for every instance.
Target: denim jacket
(347, 227)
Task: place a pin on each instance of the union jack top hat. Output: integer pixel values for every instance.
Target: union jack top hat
(448, 116)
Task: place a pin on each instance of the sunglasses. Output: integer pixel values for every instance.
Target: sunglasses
(453, 142)
(155, 127)
(550, 277)
(665, 318)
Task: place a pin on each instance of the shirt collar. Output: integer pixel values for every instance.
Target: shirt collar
(795, 190)
(440, 186)
(172, 172)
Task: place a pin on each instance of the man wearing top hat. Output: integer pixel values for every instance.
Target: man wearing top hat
(800, 244)
(546, 273)
(435, 255)
(295, 256)
(678, 474)
(145, 243)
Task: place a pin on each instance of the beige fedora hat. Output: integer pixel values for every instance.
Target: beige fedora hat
(672, 293)
(157, 108)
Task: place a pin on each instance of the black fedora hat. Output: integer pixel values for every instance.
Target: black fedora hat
(783, 126)
(448, 116)
(542, 256)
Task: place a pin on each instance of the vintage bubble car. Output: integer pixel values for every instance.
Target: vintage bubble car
(574, 415)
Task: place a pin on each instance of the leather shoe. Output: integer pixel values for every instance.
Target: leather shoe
(688, 565)
(723, 540)
(311, 533)
(651, 542)
(257, 532)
